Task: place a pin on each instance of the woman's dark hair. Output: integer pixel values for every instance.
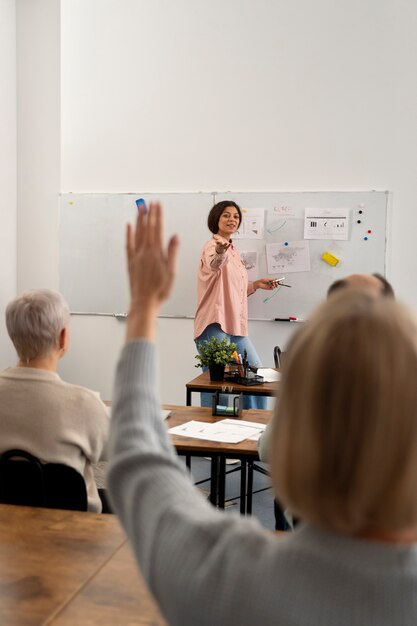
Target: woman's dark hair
(217, 210)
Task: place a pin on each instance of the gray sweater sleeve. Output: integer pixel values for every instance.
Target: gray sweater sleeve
(190, 554)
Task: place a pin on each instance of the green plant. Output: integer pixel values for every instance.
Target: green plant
(215, 352)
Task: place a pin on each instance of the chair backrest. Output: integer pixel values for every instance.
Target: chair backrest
(277, 356)
(26, 481)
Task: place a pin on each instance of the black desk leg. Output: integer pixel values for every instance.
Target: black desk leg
(250, 489)
(243, 487)
(188, 462)
(214, 480)
(222, 482)
(188, 397)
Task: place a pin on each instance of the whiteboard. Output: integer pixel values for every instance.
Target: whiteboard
(92, 249)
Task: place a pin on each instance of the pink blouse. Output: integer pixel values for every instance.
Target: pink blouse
(222, 291)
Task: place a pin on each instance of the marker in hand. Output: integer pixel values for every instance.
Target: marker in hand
(278, 282)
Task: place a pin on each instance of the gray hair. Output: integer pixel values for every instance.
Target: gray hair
(34, 322)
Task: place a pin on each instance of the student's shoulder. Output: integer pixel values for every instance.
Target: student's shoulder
(84, 395)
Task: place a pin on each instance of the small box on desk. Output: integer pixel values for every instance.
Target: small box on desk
(226, 411)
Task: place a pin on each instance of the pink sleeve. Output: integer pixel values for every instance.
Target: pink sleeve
(251, 289)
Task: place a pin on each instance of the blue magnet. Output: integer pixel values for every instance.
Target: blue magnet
(286, 243)
(365, 238)
(140, 202)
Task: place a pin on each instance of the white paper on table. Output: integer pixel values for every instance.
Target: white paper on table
(326, 224)
(288, 256)
(257, 428)
(224, 431)
(269, 375)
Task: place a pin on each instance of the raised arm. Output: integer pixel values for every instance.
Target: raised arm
(151, 271)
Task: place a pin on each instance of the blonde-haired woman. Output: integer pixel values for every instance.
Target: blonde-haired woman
(343, 454)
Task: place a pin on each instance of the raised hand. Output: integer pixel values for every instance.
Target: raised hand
(151, 269)
(221, 244)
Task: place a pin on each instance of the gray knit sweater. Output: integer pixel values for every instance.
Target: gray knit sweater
(208, 568)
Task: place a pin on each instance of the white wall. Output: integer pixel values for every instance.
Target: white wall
(38, 115)
(8, 169)
(194, 95)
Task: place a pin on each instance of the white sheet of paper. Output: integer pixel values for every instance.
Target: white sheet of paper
(257, 428)
(269, 375)
(326, 224)
(250, 261)
(224, 431)
(293, 257)
(252, 225)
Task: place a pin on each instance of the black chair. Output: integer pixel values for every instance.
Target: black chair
(277, 357)
(24, 480)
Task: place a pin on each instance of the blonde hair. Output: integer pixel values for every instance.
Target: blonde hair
(34, 322)
(344, 442)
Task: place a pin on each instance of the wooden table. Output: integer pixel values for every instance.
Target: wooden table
(203, 383)
(246, 451)
(60, 568)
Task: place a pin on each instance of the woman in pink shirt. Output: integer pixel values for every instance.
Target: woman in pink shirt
(223, 289)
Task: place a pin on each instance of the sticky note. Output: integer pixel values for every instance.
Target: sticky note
(329, 258)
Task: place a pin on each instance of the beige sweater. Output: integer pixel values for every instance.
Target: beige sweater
(54, 420)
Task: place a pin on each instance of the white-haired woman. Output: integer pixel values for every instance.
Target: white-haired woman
(40, 413)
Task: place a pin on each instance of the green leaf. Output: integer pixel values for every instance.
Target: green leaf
(215, 351)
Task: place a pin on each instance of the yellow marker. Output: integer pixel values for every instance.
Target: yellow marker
(330, 258)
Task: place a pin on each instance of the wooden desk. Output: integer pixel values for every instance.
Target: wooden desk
(62, 568)
(246, 451)
(203, 383)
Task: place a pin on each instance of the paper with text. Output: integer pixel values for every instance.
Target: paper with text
(224, 431)
(326, 224)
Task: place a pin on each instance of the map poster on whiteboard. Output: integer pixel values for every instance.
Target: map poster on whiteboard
(288, 256)
(326, 224)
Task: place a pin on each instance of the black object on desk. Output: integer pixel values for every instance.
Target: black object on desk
(234, 376)
(226, 411)
(243, 374)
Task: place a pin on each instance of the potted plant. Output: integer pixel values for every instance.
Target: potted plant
(215, 355)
